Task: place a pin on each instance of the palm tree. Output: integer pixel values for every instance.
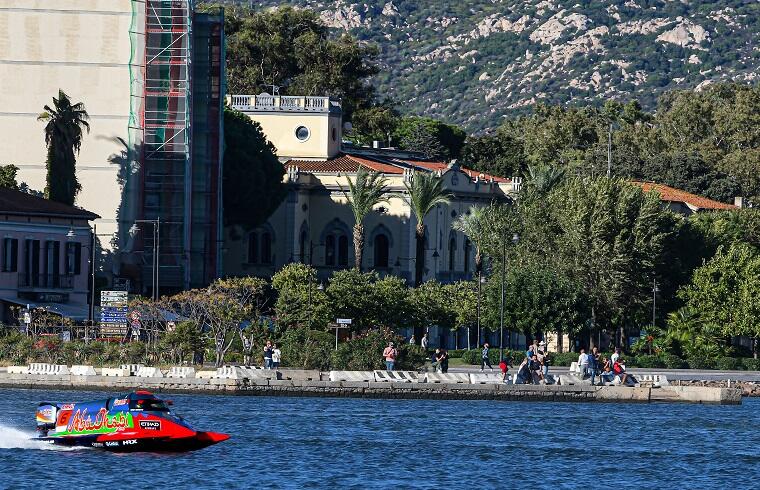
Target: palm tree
(63, 137)
(363, 194)
(424, 192)
(543, 178)
(474, 225)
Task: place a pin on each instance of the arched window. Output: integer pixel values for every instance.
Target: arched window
(266, 248)
(381, 246)
(342, 250)
(467, 248)
(302, 246)
(452, 253)
(253, 248)
(330, 250)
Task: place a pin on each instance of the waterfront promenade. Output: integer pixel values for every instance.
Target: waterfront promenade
(361, 384)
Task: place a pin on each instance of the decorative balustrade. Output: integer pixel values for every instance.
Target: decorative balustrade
(283, 103)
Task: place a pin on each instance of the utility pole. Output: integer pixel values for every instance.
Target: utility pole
(609, 152)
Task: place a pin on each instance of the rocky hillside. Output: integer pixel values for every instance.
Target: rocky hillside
(472, 61)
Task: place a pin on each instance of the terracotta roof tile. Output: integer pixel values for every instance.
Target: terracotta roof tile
(436, 166)
(344, 163)
(672, 194)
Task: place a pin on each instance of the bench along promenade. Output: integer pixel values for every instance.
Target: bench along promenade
(241, 380)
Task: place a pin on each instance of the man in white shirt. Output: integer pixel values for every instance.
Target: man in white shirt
(424, 341)
(615, 356)
(583, 363)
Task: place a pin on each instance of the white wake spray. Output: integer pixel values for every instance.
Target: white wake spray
(11, 438)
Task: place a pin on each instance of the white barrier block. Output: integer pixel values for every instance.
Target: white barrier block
(360, 376)
(132, 368)
(485, 378)
(40, 368)
(656, 380)
(114, 372)
(230, 372)
(205, 374)
(574, 368)
(81, 370)
(18, 369)
(60, 370)
(181, 372)
(396, 376)
(149, 372)
(448, 378)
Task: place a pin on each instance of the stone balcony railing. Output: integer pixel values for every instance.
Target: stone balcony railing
(284, 103)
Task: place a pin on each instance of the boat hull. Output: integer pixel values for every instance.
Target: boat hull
(146, 444)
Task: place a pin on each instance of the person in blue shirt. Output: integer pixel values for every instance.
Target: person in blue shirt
(484, 360)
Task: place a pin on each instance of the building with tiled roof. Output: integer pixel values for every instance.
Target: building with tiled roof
(683, 202)
(314, 223)
(45, 250)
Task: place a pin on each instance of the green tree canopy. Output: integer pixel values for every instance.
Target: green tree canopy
(8, 177)
(252, 173)
(433, 138)
(294, 50)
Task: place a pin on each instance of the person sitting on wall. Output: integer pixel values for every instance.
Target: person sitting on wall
(523, 372)
(606, 375)
(619, 370)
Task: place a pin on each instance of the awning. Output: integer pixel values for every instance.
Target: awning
(78, 313)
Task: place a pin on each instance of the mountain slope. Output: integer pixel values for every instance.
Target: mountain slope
(472, 62)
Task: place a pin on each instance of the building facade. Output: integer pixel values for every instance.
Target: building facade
(314, 223)
(151, 75)
(45, 251)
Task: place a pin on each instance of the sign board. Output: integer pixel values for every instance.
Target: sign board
(344, 321)
(27, 317)
(113, 313)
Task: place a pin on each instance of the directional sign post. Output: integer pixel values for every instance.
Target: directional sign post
(340, 323)
(113, 312)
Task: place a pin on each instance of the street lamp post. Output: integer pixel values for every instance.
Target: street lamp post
(515, 239)
(481, 279)
(91, 309)
(655, 289)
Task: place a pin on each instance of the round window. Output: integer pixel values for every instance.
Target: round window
(302, 133)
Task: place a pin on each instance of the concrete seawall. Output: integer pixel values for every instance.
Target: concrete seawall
(312, 384)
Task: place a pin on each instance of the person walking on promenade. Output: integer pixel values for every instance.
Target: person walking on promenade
(247, 351)
(276, 356)
(436, 361)
(268, 355)
(444, 361)
(390, 353)
(484, 360)
(593, 364)
(412, 340)
(583, 363)
(424, 341)
(543, 359)
(504, 366)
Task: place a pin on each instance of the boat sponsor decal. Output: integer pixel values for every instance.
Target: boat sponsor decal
(45, 415)
(83, 422)
(67, 406)
(150, 424)
(120, 401)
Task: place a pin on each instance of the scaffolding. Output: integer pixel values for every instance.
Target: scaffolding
(166, 134)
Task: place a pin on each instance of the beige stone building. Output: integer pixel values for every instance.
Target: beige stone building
(313, 225)
(151, 76)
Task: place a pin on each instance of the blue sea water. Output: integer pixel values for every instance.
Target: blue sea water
(340, 443)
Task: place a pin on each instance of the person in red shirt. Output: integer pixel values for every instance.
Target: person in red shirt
(619, 369)
(504, 366)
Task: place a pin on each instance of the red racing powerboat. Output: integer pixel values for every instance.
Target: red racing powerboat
(138, 421)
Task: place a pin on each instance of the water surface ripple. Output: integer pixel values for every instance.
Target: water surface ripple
(324, 442)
